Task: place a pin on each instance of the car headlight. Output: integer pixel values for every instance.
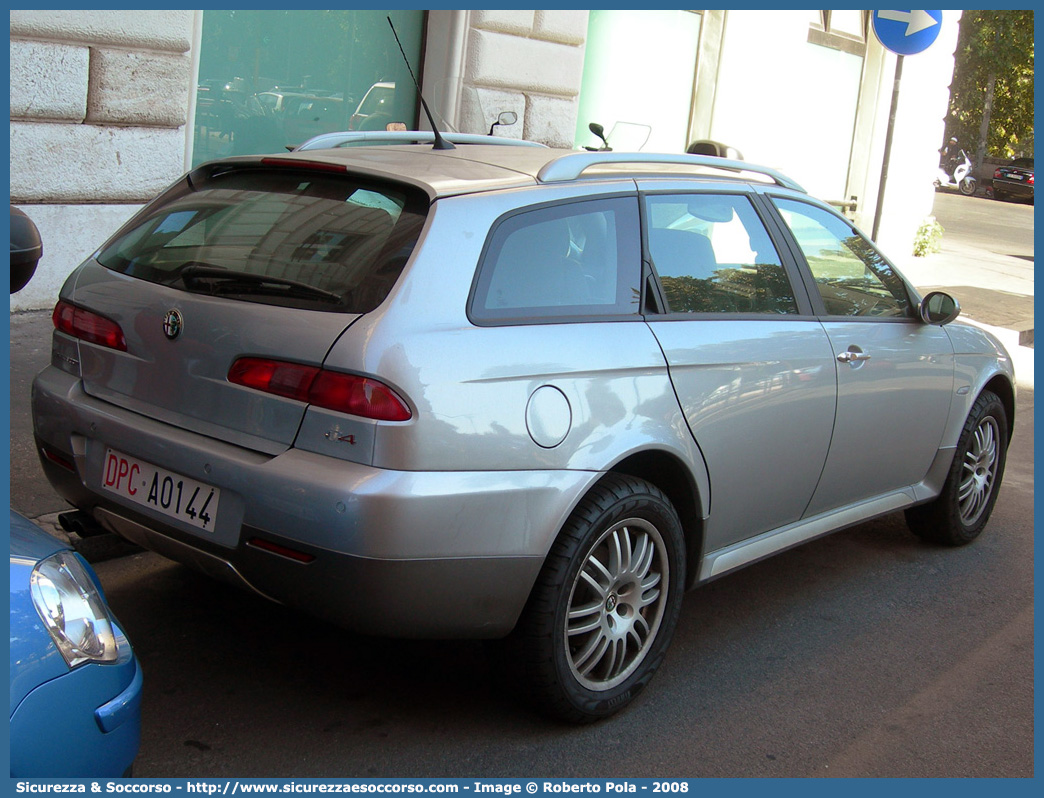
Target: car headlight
(73, 611)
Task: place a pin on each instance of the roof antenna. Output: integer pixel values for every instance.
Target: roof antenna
(440, 142)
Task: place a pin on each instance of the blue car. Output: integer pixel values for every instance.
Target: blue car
(75, 682)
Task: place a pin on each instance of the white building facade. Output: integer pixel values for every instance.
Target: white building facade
(107, 107)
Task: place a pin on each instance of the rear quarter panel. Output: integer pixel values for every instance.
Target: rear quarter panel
(470, 386)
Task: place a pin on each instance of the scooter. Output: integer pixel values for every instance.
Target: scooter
(961, 178)
(628, 136)
(506, 118)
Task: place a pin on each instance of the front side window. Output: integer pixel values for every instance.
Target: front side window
(283, 237)
(713, 255)
(853, 278)
(581, 259)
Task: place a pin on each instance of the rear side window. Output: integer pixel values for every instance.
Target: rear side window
(284, 237)
(713, 255)
(582, 259)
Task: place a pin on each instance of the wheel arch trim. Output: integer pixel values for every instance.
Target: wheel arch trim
(687, 489)
(1005, 391)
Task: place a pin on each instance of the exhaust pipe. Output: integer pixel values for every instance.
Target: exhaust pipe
(78, 522)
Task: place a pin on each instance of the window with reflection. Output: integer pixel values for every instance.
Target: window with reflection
(713, 255)
(282, 237)
(853, 278)
(272, 79)
(579, 259)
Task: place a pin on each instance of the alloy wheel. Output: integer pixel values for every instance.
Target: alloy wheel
(978, 471)
(616, 604)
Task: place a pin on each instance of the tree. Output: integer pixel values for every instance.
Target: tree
(991, 97)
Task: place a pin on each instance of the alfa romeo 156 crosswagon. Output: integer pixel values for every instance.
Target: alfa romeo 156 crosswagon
(508, 391)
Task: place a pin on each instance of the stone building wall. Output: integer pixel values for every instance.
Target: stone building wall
(99, 108)
(529, 62)
(101, 102)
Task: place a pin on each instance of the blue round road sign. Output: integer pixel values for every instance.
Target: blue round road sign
(907, 32)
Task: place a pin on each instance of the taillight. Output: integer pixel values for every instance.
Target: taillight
(58, 459)
(359, 396)
(996, 172)
(88, 326)
(283, 551)
(315, 166)
(332, 390)
(271, 376)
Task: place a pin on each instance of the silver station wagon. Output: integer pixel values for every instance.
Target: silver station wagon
(508, 392)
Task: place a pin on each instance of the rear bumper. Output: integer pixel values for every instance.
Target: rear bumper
(413, 554)
(1013, 188)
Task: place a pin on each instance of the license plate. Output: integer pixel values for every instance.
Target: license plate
(166, 492)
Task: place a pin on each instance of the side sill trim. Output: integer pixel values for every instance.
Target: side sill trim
(765, 545)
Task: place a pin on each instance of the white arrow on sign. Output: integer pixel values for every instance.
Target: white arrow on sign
(916, 21)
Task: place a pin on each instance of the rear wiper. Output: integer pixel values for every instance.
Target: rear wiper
(228, 281)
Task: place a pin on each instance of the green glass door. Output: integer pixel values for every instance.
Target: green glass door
(269, 80)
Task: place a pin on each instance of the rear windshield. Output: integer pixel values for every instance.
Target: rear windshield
(284, 237)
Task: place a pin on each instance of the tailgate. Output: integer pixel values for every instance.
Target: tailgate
(183, 380)
(250, 258)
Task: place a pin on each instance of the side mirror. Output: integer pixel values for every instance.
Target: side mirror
(599, 131)
(26, 249)
(504, 118)
(938, 308)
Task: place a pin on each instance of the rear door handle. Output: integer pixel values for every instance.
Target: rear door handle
(852, 357)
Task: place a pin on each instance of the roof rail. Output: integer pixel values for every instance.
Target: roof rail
(329, 140)
(570, 167)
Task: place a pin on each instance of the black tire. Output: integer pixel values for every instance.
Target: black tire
(968, 186)
(959, 513)
(618, 568)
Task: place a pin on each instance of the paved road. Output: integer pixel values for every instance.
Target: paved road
(1002, 228)
(867, 653)
(986, 259)
(864, 654)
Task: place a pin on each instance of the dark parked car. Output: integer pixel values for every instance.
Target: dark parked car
(1014, 180)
